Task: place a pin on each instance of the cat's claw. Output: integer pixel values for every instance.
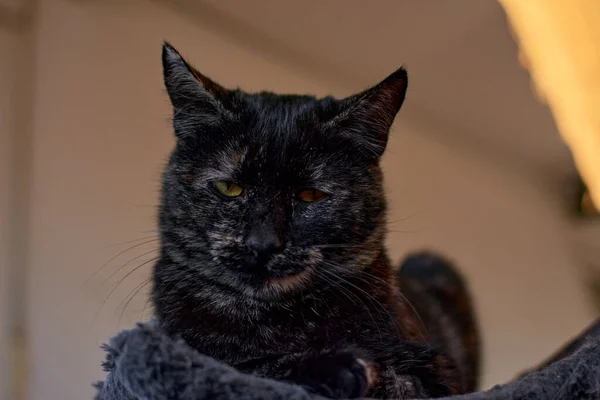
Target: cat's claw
(338, 375)
(370, 371)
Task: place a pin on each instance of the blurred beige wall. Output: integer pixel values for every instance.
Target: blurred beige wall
(13, 184)
(7, 72)
(101, 135)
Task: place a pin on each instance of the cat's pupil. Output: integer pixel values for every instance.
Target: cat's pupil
(228, 189)
(311, 195)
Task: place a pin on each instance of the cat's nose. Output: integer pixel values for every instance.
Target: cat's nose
(264, 242)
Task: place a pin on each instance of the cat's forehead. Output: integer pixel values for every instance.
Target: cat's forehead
(272, 157)
(283, 128)
(285, 154)
(272, 111)
(278, 139)
(258, 163)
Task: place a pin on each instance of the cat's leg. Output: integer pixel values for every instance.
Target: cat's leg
(336, 374)
(441, 297)
(410, 370)
(339, 374)
(404, 370)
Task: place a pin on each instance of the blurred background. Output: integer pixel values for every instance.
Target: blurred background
(476, 167)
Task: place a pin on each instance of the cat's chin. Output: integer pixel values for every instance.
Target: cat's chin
(289, 283)
(278, 286)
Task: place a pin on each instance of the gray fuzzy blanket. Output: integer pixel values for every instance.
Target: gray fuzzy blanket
(145, 364)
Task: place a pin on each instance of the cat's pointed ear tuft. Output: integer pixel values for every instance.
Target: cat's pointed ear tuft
(366, 117)
(178, 75)
(189, 90)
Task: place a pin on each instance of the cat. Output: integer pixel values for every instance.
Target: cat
(272, 258)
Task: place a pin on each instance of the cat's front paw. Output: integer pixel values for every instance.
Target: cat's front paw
(337, 375)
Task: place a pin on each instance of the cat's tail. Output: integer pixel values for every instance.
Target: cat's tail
(442, 299)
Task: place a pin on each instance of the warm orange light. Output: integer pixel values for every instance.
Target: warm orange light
(560, 41)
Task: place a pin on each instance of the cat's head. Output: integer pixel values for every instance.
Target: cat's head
(267, 194)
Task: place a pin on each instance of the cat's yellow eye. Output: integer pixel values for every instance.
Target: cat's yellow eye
(228, 189)
(311, 195)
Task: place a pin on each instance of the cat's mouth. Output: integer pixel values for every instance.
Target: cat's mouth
(285, 273)
(269, 285)
(291, 282)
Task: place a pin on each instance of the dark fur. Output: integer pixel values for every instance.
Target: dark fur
(325, 303)
(442, 299)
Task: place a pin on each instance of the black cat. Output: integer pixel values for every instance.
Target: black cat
(272, 259)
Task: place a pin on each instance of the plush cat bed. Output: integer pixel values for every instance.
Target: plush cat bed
(143, 363)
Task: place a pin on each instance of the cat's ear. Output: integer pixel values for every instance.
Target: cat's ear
(192, 94)
(366, 118)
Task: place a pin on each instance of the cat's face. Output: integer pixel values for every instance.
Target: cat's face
(268, 194)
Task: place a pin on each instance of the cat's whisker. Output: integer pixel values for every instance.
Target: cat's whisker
(148, 300)
(373, 299)
(110, 293)
(127, 263)
(402, 219)
(399, 293)
(395, 289)
(118, 255)
(152, 237)
(399, 231)
(127, 299)
(336, 246)
(346, 291)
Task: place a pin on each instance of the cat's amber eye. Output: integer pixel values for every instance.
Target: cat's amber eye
(311, 195)
(228, 189)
